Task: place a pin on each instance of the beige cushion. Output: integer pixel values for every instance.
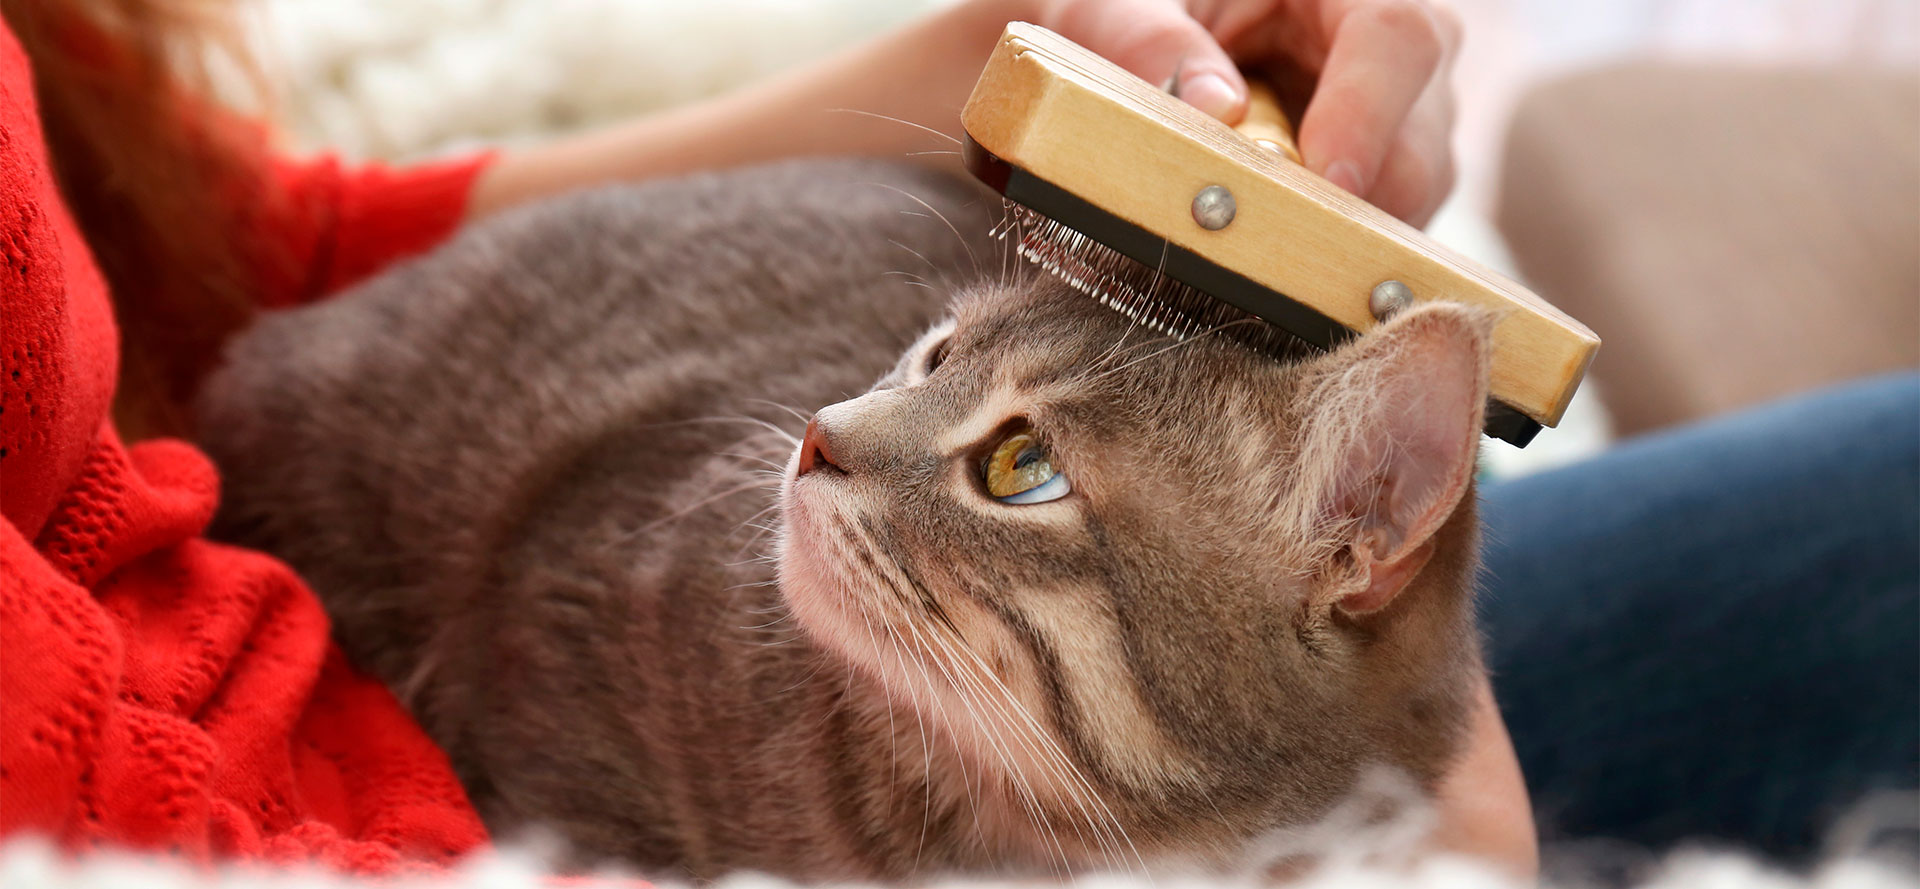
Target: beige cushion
(1733, 234)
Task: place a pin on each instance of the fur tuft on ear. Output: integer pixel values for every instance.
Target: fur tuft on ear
(1390, 430)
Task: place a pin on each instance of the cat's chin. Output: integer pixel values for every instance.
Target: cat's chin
(835, 602)
(815, 582)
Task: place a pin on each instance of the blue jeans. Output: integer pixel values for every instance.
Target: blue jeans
(1713, 634)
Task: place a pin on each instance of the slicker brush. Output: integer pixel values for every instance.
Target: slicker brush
(1193, 228)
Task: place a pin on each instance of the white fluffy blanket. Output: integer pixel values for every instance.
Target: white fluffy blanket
(31, 865)
(403, 78)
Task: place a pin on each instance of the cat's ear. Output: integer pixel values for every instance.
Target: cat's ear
(1392, 427)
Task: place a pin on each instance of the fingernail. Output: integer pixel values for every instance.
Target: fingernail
(1210, 93)
(1346, 174)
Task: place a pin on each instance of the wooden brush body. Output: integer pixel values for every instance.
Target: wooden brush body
(1090, 146)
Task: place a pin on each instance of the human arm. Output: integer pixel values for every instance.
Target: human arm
(1378, 122)
(878, 99)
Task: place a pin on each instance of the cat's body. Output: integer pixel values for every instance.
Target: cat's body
(520, 475)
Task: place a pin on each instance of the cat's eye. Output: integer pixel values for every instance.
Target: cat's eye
(1020, 471)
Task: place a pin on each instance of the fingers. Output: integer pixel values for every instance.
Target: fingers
(1360, 130)
(1418, 173)
(1380, 119)
(1157, 39)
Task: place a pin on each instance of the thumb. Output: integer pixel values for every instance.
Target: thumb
(1158, 41)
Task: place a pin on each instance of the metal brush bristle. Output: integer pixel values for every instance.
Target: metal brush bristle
(1136, 290)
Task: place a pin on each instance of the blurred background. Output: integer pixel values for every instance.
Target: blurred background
(1728, 191)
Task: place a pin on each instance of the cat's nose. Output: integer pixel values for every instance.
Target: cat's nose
(813, 450)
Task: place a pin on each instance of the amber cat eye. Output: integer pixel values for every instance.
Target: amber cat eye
(1020, 471)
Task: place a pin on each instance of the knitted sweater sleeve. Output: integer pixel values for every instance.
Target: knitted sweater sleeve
(329, 224)
(163, 692)
(53, 679)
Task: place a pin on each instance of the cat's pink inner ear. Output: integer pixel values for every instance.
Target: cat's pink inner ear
(1434, 401)
(1406, 407)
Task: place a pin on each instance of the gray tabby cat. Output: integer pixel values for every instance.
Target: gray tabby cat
(1055, 594)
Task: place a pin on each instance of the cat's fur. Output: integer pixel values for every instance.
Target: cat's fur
(520, 474)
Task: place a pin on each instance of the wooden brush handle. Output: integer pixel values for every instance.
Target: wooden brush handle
(1265, 123)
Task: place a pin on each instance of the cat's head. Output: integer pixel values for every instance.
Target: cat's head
(1204, 586)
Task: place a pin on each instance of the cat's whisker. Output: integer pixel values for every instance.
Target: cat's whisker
(1186, 341)
(926, 755)
(698, 504)
(1050, 756)
(987, 709)
(1006, 269)
(888, 117)
(754, 458)
(756, 516)
(1100, 367)
(911, 279)
(796, 412)
(917, 254)
(760, 533)
(764, 558)
(966, 782)
(1163, 339)
(971, 256)
(1115, 348)
(1055, 759)
(972, 720)
(893, 737)
(972, 688)
(770, 559)
(769, 508)
(1076, 777)
(757, 533)
(1071, 780)
(935, 697)
(788, 437)
(821, 665)
(718, 419)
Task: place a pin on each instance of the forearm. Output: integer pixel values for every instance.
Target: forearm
(871, 100)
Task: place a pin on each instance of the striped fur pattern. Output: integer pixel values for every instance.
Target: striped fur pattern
(544, 481)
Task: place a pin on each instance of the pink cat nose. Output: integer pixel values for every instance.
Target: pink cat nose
(813, 450)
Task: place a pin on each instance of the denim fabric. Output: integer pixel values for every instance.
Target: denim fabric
(1713, 634)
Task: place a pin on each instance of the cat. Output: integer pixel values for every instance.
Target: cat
(1056, 594)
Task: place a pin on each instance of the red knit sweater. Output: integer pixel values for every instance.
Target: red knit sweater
(157, 690)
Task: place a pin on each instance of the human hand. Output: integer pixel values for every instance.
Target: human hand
(1379, 120)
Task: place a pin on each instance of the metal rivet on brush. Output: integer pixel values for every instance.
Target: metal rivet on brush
(1213, 208)
(1388, 299)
